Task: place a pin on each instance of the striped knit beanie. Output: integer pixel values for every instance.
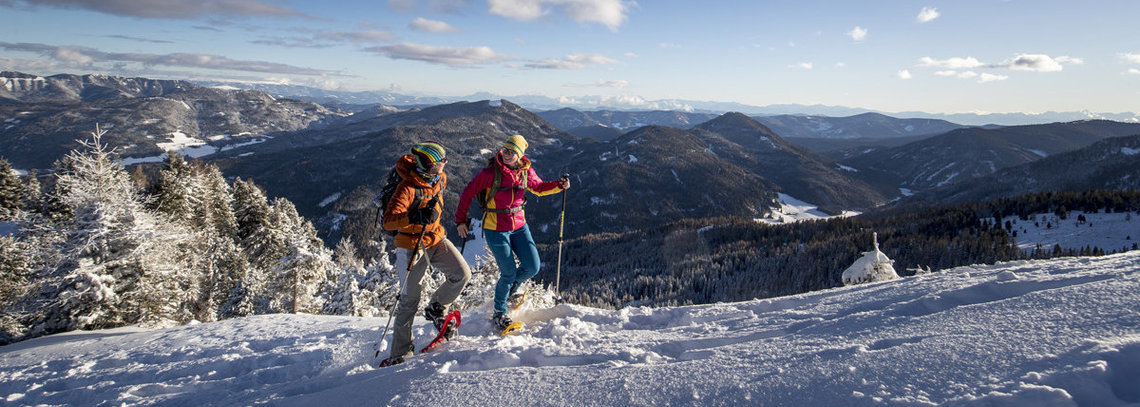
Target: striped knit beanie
(427, 154)
(517, 144)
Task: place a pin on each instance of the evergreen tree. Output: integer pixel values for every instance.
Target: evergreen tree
(33, 200)
(120, 264)
(11, 192)
(297, 277)
(174, 193)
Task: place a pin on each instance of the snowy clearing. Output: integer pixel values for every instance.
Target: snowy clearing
(1063, 332)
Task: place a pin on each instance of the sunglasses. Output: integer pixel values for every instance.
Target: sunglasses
(507, 151)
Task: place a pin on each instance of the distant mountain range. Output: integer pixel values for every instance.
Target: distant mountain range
(544, 103)
(630, 172)
(44, 117)
(964, 154)
(1112, 163)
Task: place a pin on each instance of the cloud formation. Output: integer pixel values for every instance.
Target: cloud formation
(1130, 57)
(952, 63)
(616, 84)
(927, 15)
(858, 33)
(802, 65)
(431, 26)
(169, 9)
(456, 57)
(575, 61)
(903, 74)
(83, 56)
(318, 39)
(610, 13)
(1039, 63)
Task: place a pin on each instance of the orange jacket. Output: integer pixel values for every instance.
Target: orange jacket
(505, 198)
(396, 217)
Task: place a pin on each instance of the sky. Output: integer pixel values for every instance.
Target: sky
(962, 56)
(1054, 333)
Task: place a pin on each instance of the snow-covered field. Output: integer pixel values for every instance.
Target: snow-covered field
(1063, 332)
(1108, 231)
(794, 210)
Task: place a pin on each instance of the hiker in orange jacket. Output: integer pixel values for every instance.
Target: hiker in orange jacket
(503, 185)
(414, 212)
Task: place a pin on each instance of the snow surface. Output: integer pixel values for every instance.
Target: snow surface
(1108, 231)
(793, 210)
(1062, 332)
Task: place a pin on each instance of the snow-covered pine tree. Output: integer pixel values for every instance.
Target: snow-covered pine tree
(174, 193)
(217, 206)
(298, 276)
(33, 200)
(377, 288)
(11, 192)
(120, 264)
(342, 293)
(251, 211)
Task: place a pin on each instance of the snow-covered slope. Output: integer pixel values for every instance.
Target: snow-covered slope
(1064, 332)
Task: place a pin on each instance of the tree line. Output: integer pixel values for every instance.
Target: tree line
(698, 261)
(101, 248)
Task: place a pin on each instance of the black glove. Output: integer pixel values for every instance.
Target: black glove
(424, 216)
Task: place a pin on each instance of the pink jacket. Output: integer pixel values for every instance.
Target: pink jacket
(501, 214)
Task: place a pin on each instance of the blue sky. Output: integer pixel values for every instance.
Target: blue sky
(989, 56)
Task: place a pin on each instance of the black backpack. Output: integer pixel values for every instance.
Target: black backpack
(393, 180)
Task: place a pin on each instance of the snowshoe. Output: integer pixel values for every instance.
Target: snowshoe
(504, 325)
(447, 330)
(392, 361)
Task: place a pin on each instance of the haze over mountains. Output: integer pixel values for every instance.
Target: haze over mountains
(648, 166)
(592, 103)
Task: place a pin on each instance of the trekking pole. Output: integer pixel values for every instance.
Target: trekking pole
(561, 225)
(463, 244)
(400, 289)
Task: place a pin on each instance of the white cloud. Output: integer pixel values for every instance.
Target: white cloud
(928, 14)
(952, 63)
(83, 56)
(840, 64)
(986, 77)
(903, 74)
(431, 26)
(802, 65)
(616, 84)
(946, 73)
(1133, 71)
(575, 61)
(858, 33)
(1130, 57)
(457, 57)
(610, 13)
(1037, 63)
(173, 9)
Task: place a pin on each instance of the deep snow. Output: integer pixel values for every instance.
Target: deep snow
(1063, 332)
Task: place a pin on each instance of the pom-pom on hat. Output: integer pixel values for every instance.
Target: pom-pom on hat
(517, 144)
(427, 154)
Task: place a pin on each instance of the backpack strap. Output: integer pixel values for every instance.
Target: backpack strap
(496, 186)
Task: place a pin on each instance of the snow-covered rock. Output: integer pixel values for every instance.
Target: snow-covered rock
(873, 266)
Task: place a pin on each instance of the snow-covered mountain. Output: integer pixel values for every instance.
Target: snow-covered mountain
(635, 103)
(1063, 332)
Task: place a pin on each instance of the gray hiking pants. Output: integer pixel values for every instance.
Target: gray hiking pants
(445, 257)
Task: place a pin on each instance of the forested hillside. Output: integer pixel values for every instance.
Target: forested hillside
(696, 261)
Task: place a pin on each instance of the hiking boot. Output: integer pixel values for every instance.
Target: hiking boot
(392, 361)
(501, 321)
(434, 313)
